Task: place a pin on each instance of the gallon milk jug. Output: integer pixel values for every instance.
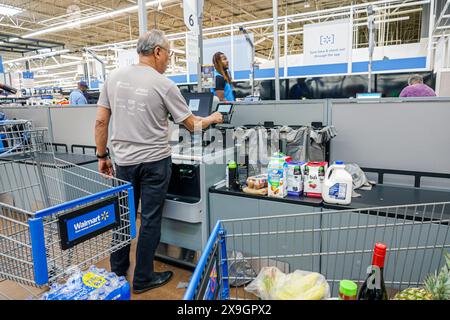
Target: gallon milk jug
(338, 184)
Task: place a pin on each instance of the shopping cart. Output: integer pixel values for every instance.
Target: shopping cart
(338, 244)
(55, 215)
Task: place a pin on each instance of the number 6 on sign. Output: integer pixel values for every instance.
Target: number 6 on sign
(192, 10)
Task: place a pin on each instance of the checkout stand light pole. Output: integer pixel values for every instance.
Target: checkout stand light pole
(142, 14)
(371, 28)
(252, 66)
(276, 49)
(200, 45)
(94, 55)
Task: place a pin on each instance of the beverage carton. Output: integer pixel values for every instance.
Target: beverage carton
(314, 175)
(276, 177)
(295, 178)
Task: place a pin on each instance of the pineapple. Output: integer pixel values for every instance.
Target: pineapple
(436, 286)
(413, 294)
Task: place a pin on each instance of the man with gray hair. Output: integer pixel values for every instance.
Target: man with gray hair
(137, 99)
(416, 88)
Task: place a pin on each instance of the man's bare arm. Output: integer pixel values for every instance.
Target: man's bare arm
(101, 129)
(194, 122)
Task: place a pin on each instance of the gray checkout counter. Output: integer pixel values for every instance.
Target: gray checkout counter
(231, 204)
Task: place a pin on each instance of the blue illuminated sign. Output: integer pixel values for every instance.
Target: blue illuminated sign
(28, 75)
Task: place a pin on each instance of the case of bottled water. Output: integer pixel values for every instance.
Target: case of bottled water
(92, 284)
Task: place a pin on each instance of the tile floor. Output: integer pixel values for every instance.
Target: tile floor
(11, 290)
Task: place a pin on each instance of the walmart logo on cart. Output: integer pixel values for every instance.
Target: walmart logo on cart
(90, 222)
(87, 224)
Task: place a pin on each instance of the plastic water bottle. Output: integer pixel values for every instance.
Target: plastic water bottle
(99, 294)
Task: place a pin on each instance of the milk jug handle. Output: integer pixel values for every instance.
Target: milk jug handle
(328, 173)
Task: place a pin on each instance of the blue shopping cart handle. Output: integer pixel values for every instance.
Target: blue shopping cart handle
(196, 277)
(80, 201)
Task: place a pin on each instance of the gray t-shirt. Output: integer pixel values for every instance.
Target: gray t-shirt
(140, 99)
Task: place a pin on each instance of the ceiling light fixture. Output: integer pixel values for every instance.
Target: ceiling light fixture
(64, 56)
(6, 10)
(55, 80)
(107, 15)
(38, 56)
(56, 66)
(48, 75)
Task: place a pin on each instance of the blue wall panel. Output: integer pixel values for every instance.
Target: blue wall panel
(325, 69)
(317, 70)
(391, 64)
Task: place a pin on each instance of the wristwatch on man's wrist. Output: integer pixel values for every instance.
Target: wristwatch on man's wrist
(102, 156)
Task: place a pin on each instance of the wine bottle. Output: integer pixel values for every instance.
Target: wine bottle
(373, 287)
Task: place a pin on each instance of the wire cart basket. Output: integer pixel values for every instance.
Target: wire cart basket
(338, 244)
(55, 215)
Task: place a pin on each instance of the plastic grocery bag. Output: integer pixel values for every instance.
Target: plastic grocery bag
(240, 270)
(273, 284)
(265, 283)
(360, 180)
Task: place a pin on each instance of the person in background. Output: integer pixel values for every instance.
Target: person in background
(78, 96)
(416, 88)
(224, 89)
(137, 99)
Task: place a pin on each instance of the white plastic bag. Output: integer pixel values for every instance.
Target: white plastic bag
(265, 283)
(272, 284)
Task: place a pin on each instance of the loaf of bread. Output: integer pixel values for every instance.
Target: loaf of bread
(257, 182)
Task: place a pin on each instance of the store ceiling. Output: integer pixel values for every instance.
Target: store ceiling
(57, 21)
(42, 14)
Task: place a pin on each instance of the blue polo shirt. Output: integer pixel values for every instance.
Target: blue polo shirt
(77, 97)
(222, 84)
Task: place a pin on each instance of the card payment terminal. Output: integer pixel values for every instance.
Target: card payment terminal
(226, 109)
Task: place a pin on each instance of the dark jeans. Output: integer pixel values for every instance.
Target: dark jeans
(150, 182)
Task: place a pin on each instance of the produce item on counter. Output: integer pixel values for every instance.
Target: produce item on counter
(276, 176)
(257, 182)
(373, 287)
(259, 192)
(295, 178)
(273, 284)
(314, 176)
(338, 185)
(436, 286)
(348, 290)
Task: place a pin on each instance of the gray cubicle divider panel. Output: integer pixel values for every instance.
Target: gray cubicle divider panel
(403, 134)
(290, 112)
(74, 124)
(39, 115)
